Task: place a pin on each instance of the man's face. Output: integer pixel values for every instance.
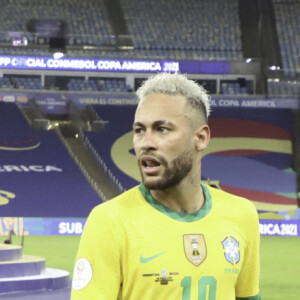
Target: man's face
(163, 140)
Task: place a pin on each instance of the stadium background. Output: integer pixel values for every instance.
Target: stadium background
(68, 72)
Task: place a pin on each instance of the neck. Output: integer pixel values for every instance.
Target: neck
(183, 198)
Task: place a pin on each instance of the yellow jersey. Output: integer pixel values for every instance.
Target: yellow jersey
(134, 248)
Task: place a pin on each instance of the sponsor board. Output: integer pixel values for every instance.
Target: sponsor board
(9, 98)
(55, 103)
(113, 65)
(279, 227)
(80, 64)
(42, 226)
(74, 226)
(254, 103)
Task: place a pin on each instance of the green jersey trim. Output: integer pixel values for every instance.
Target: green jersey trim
(183, 217)
(257, 297)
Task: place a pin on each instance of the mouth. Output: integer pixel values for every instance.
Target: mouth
(150, 166)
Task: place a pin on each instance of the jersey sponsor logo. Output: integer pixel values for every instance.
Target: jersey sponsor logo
(163, 277)
(145, 260)
(231, 250)
(83, 274)
(194, 248)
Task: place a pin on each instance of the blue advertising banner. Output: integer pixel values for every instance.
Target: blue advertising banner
(52, 103)
(254, 102)
(57, 102)
(74, 226)
(41, 226)
(279, 227)
(112, 65)
(38, 177)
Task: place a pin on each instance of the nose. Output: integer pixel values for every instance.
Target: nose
(147, 141)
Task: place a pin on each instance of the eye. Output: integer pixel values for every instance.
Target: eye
(138, 130)
(163, 129)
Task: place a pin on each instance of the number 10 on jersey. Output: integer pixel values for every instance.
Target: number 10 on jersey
(207, 286)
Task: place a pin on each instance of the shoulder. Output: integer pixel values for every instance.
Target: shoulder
(220, 195)
(118, 206)
(237, 212)
(233, 205)
(112, 216)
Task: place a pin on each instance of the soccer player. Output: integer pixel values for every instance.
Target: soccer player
(172, 237)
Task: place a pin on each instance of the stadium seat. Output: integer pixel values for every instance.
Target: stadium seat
(88, 20)
(166, 27)
(287, 16)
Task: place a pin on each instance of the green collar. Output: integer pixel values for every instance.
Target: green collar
(183, 217)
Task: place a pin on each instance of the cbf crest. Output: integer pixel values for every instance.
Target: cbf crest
(194, 248)
(231, 250)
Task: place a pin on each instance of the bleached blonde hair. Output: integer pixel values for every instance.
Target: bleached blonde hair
(177, 84)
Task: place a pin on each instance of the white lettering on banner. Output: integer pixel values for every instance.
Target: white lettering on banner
(278, 229)
(33, 168)
(32, 63)
(122, 101)
(41, 102)
(71, 64)
(258, 103)
(128, 65)
(230, 103)
(92, 101)
(171, 67)
(15, 62)
(10, 169)
(110, 101)
(36, 168)
(9, 98)
(108, 65)
(4, 61)
(57, 103)
(88, 64)
(24, 168)
(243, 103)
(52, 168)
(141, 66)
(213, 102)
(70, 228)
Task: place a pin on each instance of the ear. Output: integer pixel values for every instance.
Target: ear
(202, 137)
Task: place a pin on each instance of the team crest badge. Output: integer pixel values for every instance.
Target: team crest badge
(231, 250)
(194, 248)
